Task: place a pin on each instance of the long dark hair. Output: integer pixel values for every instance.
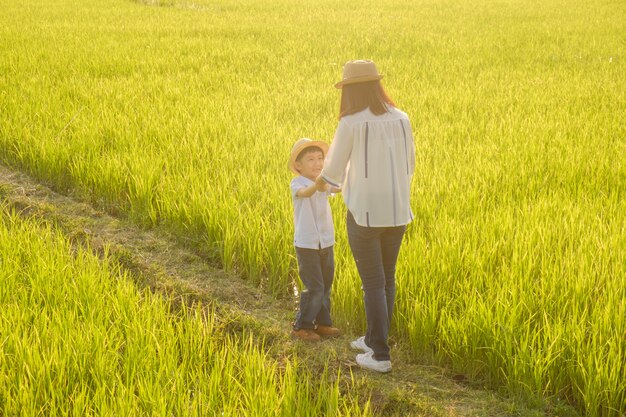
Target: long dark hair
(359, 96)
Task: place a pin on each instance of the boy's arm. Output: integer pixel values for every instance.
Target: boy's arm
(335, 190)
(306, 192)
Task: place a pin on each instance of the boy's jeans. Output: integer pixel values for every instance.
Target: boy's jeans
(375, 251)
(317, 268)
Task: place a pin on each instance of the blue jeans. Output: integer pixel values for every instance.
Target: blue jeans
(317, 269)
(375, 251)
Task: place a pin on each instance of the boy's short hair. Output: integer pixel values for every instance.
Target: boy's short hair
(308, 150)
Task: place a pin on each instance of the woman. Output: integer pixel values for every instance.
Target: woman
(373, 158)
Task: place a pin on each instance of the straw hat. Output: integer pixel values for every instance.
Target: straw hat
(359, 71)
(301, 145)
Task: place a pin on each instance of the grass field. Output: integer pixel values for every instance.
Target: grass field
(80, 339)
(181, 114)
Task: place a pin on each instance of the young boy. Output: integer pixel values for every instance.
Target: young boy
(314, 238)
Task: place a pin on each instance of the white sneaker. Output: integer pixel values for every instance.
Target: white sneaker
(367, 361)
(359, 344)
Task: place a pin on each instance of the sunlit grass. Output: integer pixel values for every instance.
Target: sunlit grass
(79, 339)
(183, 117)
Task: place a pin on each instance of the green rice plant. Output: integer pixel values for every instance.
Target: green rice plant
(182, 117)
(80, 339)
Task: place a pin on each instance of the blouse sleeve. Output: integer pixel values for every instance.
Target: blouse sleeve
(338, 155)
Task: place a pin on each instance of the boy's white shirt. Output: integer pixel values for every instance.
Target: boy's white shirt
(313, 220)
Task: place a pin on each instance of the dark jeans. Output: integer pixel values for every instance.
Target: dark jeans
(317, 269)
(375, 251)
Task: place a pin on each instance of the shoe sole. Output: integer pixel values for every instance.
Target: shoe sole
(381, 371)
(294, 337)
(328, 336)
(305, 340)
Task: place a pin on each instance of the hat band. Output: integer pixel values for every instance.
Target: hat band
(359, 79)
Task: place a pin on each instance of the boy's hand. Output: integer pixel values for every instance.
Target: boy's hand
(320, 184)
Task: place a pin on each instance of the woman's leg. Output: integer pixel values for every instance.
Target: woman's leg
(365, 243)
(391, 240)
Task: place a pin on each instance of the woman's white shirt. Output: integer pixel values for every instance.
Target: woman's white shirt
(372, 158)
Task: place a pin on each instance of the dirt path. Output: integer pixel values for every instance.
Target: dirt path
(159, 262)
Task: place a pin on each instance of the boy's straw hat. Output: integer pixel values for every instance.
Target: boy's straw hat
(301, 145)
(359, 71)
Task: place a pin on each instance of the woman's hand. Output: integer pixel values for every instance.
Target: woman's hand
(320, 184)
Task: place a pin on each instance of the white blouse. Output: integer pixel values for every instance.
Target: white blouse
(372, 158)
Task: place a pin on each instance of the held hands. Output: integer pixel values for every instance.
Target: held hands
(320, 184)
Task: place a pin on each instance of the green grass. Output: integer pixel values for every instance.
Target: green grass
(80, 339)
(183, 116)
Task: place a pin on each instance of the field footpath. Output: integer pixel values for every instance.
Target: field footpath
(162, 264)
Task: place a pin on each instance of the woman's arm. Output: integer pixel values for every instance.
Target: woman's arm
(338, 156)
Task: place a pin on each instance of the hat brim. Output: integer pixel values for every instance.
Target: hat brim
(356, 80)
(294, 154)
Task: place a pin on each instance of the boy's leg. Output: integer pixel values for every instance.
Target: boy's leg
(313, 288)
(327, 266)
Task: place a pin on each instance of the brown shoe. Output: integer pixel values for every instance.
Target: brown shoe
(305, 334)
(327, 331)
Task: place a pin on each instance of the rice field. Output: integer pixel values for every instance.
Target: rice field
(181, 115)
(79, 339)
